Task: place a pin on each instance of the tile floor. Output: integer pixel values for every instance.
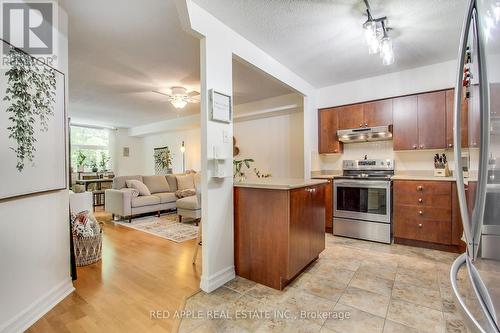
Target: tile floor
(354, 287)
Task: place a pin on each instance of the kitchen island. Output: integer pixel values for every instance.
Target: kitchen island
(279, 228)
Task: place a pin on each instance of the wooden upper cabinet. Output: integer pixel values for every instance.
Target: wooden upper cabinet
(432, 120)
(351, 116)
(327, 130)
(378, 113)
(450, 102)
(405, 123)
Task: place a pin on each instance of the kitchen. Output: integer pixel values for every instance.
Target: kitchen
(397, 180)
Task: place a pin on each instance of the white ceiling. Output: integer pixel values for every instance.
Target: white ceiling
(322, 41)
(251, 84)
(119, 52)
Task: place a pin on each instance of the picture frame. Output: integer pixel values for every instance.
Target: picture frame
(221, 107)
(47, 169)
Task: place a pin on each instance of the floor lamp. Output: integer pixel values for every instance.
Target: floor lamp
(183, 150)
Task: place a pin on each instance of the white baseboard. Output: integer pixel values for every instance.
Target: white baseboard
(37, 309)
(214, 281)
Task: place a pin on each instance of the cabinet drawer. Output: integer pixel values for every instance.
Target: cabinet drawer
(404, 212)
(433, 231)
(422, 200)
(421, 193)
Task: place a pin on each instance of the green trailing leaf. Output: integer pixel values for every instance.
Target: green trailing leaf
(31, 92)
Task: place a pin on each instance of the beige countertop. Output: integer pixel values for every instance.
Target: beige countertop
(400, 175)
(278, 183)
(420, 175)
(326, 174)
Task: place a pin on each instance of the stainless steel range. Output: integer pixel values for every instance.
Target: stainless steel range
(362, 205)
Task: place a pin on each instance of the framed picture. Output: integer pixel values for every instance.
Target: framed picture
(221, 107)
(33, 126)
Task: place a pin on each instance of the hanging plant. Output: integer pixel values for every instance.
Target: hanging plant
(31, 94)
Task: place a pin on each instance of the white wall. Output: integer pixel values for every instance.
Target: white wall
(141, 160)
(275, 143)
(421, 79)
(34, 244)
(192, 142)
(134, 164)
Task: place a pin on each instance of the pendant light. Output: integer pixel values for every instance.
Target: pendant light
(376, 37)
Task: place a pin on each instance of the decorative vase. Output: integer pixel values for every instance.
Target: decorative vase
(81, 168)
(169, 171)
(94, 169)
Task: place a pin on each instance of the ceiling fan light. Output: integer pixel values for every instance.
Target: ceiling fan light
(178, 102)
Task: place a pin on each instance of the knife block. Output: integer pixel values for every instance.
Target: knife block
(442, 172)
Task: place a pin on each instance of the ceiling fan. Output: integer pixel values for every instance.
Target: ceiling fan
(179, 96)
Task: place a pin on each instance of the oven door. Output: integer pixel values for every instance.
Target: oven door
(362, 200)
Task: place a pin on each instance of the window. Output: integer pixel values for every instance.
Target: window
(89, 148)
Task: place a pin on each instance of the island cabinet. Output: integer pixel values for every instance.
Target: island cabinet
(426, 214)
(278, 232)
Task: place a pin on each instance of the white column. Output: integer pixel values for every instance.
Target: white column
(217, 194)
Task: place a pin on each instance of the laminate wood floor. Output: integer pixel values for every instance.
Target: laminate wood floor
(139, 273)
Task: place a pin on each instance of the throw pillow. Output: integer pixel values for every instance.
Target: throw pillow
(185, 182)
(139, 186)
(185, 193)
(156, 184)
(133, 192)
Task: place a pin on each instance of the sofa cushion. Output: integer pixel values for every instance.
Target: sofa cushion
(166, 197)
(172, 182)
(120, 181)
(156, 184)
(185, 182)
(139, 186)
(188, 203)
(145, 200)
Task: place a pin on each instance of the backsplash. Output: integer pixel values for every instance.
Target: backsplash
(404, 160)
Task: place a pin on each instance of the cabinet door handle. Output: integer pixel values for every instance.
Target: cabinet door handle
(420, 188)
(420, 200)
(422, 146)
(420, 225)
(450, 145)
(360, 125)
(414, 146)
(366, 124)
(420, 212)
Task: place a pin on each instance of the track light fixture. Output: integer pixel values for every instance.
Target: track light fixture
(376, 37)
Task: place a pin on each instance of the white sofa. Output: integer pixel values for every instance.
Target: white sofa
(120, 201)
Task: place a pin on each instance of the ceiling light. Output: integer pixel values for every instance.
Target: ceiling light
(179, 97)
(375, 32)
(178, 102)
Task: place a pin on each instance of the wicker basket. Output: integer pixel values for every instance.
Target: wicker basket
(88, 250)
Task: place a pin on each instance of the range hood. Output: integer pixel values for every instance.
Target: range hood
(365, 134)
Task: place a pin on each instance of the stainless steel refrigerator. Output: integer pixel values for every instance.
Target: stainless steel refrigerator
(475, 275)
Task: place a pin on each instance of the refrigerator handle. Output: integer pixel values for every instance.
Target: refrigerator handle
(479, 207)
(471, 320)
(457, 136)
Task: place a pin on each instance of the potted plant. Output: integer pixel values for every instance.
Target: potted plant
(93, 164)
(103, 161)
(80, 161)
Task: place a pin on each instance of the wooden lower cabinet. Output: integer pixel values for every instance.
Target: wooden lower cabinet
(277, 233)
(425, 214)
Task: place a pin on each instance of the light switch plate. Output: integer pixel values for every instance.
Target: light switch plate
(226, 138)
